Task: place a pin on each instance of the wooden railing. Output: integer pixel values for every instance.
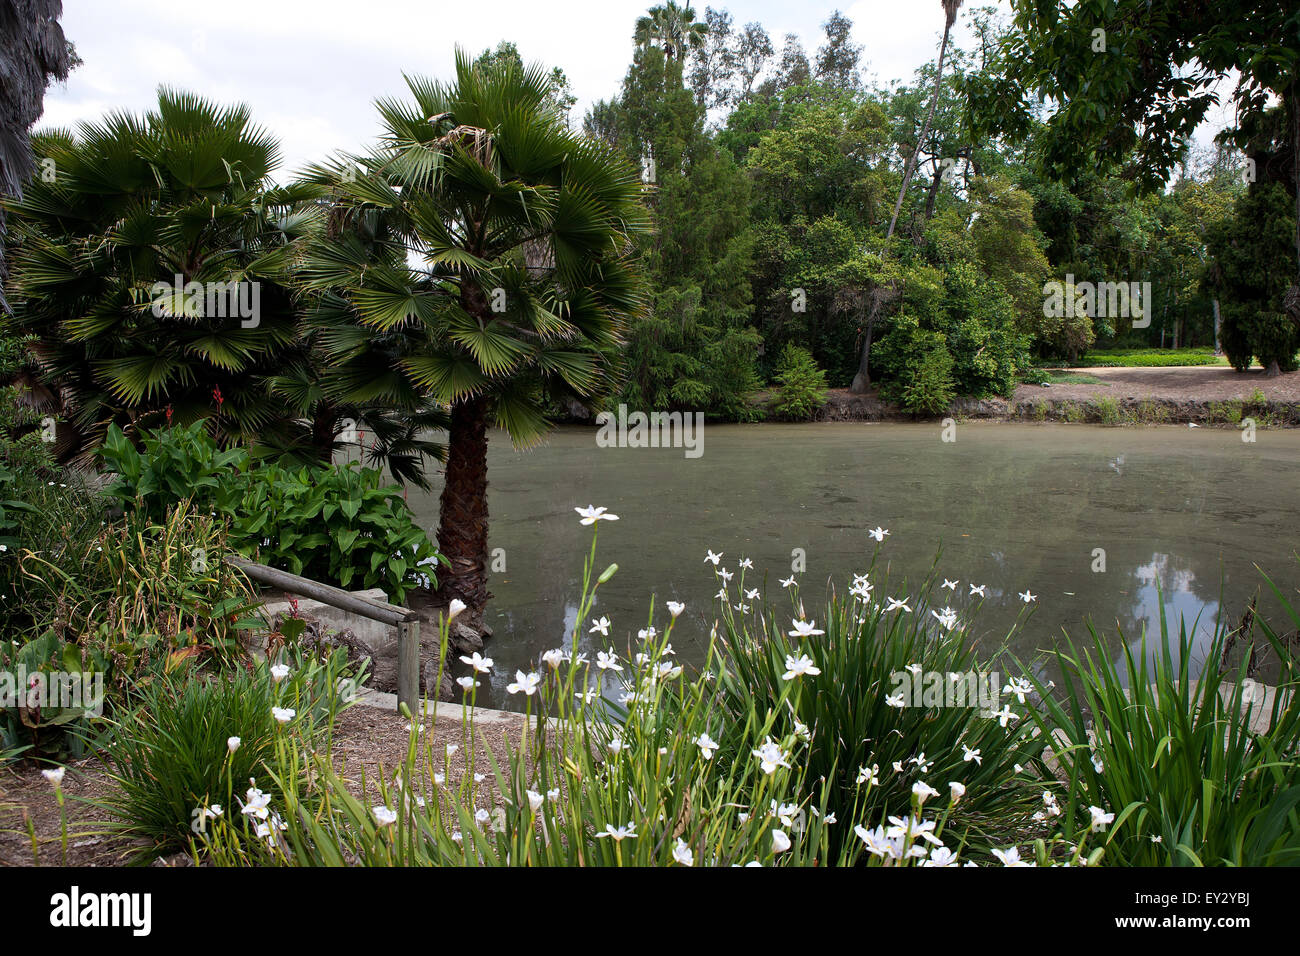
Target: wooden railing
(404, 619)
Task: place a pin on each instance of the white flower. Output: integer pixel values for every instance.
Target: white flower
(524, 682)
(467, 683)
(647, 634)
(923, 791)
(481, 816)
(535, 800)
(384, 816)
(870, 776)
(1005, 715)
(283, 714)
(940, 856)
(619, 833)
(798, 667)
(956, 791)
(601, 625)
(895, 700)
(968, 755)
(55, 776)
(751, 594)
(895, 604)
(480, 663)
(878, 533)
(616, 746)
(707, 745)
(553, 658)
(256, 803)
(950, 585)
(1027, 597)
(770, 756)
(1011, 857)
(553, 795)
(805, 629)
(742, 608)
(725, 575)
(721, 595)
(713, 558)
(682, 853)
(947, 617)
(455, 608)
(977, 589)
(232, 744)
(608, 661)
(591, 515)
(279, 672)
(746, 563)
(675, 608)
(1018, 686)
(1100, 819)
(1097, 765)
(787, 582)
(780, 842)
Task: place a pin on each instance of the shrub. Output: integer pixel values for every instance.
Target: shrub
(51, 732)
(170, 466)
(931, 389)
(144, 594)
(337, 524)
(171, 759)
(801, 390)
(1106, 410)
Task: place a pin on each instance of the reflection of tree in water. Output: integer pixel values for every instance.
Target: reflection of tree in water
(1168, 580)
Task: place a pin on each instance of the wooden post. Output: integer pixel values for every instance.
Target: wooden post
(408, 666)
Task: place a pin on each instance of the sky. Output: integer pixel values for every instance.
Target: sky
(310, 70)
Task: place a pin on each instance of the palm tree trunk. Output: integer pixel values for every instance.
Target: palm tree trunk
(925, 131)
(463, 509)
(862, 381)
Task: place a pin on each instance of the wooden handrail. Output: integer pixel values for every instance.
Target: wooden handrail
(404, 619)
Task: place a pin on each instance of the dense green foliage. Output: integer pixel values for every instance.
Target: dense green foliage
(801, 385)
(337, 524)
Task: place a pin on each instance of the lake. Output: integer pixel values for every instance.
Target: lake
(1014, 507)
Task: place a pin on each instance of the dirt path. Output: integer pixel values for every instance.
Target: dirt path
(366, 739)
(1207, 383)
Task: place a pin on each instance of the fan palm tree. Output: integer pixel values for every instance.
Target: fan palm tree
(181, 195)
(674, 28)
(136, 201)
(482, 257)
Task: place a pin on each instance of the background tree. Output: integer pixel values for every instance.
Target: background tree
(1132, 80)
(672, 28)
(484, 258)
(184, 191)
(33, 51)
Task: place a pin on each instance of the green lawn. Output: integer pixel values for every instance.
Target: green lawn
(1148, 358)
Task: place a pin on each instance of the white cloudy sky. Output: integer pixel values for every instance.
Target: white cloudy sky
(310, 69)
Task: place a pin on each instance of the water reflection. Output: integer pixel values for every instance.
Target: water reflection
(1011, 507)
